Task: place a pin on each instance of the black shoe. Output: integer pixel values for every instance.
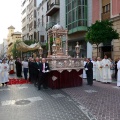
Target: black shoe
(39, 88)
(45, 87)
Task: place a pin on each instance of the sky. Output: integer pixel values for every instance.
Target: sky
(10, 14)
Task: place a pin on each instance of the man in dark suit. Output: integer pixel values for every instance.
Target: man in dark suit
(36, 71)
(44, 70)
(89, 72)
(31, 69)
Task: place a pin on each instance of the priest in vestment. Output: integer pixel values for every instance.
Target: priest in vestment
(4, 73)
(84, 72)
(11, 66)
(0, 73)
(98, 70)
(106, 74)
(118, 74)
(94, 67)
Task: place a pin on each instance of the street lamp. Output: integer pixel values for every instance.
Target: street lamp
(77, 49)
(40, 51)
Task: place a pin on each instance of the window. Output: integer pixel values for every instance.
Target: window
(42, 20)
(106, 8)
(76, 13)
(42, 38)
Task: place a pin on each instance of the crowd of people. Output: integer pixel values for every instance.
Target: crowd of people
(38, 71)
(101, 70)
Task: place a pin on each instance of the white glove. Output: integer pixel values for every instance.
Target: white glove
(43, 71)
(47, 71)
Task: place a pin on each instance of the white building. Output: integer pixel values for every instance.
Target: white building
(25, 19)
(5, 47)
(51, 12)
(42, 20)
(28, 19)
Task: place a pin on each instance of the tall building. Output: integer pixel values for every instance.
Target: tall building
(42, 20)
(76, 23)
(25, 19)
(11, 38)
(102, 10)
(29, 19)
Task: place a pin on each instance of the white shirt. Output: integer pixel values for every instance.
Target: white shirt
(25, 64)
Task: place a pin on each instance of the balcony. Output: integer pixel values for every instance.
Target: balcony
(53, 7)
(50, 25)
(105, 16)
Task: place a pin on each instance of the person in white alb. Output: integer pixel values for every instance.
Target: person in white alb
(4, 72)
(84, 72)
(0, 73)
(98, 70)
(118, 73)
(106, 74)
(94, 67)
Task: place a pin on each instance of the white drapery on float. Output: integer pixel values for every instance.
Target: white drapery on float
(21, 46)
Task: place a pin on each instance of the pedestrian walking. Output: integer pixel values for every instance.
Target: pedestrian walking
(25, 68)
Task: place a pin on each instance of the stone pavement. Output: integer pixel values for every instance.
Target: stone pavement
(25, 102)
(101, 100)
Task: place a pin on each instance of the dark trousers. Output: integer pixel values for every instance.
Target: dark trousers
(25, 70)
(19, 71)
(89, 78)
(116, 73)
(43, 80)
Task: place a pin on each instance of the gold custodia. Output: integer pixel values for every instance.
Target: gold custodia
(58, 41)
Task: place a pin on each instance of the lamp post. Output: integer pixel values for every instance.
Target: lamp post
(40, 51)
(54, 49)
(77, 49)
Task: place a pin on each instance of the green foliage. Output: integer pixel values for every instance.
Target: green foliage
(28, 42)
(51, 42)
(101, 32)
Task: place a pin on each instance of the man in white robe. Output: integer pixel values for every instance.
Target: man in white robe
(106, 74)
(4, 73)
(84, 72)
(0, 73)
(98, 70)
(118, 73)
(94, 67)
(11, 66)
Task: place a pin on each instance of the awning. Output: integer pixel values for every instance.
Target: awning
(21, 46)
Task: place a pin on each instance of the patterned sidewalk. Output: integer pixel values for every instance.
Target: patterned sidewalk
(101, 100)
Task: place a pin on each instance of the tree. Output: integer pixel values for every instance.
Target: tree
(101, 32)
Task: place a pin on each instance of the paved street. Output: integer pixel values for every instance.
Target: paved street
(25, 102)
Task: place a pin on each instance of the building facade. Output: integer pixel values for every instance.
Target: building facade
(29, 19)
(12, 37)
(102, 10)
(76, 23)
